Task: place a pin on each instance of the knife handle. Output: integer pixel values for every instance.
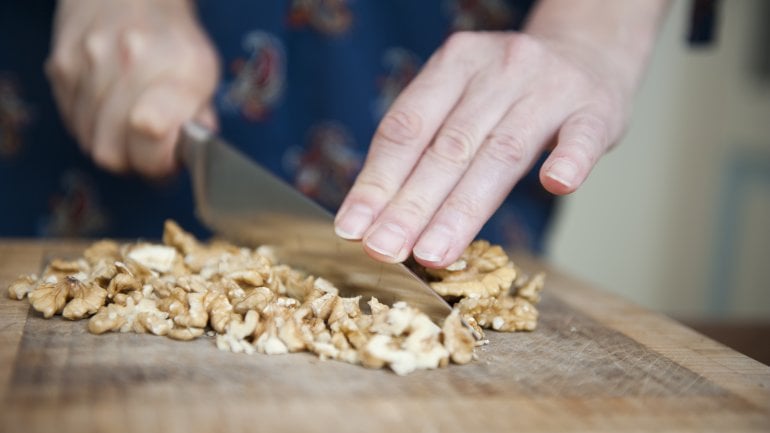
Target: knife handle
(192, 138)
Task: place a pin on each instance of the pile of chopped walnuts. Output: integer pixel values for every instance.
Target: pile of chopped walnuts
(185, 288)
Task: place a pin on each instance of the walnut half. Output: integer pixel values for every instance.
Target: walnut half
(71, 296)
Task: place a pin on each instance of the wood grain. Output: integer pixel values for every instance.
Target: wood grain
(595, 363)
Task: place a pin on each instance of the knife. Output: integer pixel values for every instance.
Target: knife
(243, 202)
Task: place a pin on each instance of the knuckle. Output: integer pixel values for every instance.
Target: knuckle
(60, 65)
(456, 46)
(202, 62)
(508, 148)
(371, 185)
(153, 170)
(459, 41)
(589, 132)
(454, 144)
(410, 209)
(149, 157)
(400, 127)
(95, 47)
(132, 44)
(107, 158)
(466, 207)
(143, 120)
(520, 49)
(205, 53)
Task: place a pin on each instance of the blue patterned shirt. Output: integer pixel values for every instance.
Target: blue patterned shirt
(304, 85)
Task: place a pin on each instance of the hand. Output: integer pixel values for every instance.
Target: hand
(468, 128)
(126, 74)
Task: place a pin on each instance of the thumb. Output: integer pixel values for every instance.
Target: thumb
(582, 140)
(154, 123)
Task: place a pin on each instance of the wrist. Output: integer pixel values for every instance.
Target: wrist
(613, 38)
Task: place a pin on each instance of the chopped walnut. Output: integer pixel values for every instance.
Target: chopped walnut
(458, 339)
(103, 271)
(219, 309)
(269, 342)
(20, 287)
(109, 318)
(234, 339)
(478, 259)
(501, 313)
(483, 270)
(492, 292)
(140, 317)
(405, 340)
(185, 334)
(322, 307)
(50, 297)
(290, 332)
(344, 309)
(423, 339)
(194, 313)
(68, 266)
(123, 283)
(254, 299)
(530, 288)
(87, 298)
(159, 258)
(174, 236)
(250, 303)
(71, 296)
(104, 250)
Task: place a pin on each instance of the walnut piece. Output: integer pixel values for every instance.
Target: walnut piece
(20, 287)
(156, 257)
(50, 297)
(251, 303)
(140, 317)
(87, 298)
(502, 313)
(492, 292)
(458, 339)
(72, 296)
(483, 270)
(105, 250)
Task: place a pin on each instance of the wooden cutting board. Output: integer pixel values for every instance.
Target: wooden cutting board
(595, 363)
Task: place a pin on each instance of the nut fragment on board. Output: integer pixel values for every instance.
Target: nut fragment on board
(458, 339)
(74, 296)
(250, 303)
(493, 293)
(483, 270)
(21, 286)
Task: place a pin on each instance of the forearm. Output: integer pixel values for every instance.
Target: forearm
(622, 33)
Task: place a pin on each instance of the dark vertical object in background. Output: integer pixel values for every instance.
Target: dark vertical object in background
(703, 23)
(760, 57)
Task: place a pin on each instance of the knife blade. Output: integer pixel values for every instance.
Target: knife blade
(245, 203)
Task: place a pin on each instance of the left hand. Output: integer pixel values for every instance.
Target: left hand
(468, 128)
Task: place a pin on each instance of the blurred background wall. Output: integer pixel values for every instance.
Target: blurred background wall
(677, 217)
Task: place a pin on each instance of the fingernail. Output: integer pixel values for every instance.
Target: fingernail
(388, 240)
(563, 171)
(434, 245)
(354, 222)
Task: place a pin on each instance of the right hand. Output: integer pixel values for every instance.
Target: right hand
(126, 74)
